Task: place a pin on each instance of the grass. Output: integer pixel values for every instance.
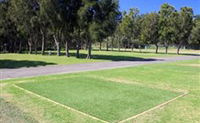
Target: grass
(103, 99)
(11, 114)
(27, 60)
(146, 80)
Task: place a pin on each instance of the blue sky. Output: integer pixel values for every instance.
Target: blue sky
(146, 6)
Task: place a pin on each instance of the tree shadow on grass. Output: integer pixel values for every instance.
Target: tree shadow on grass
(11, 64)
(149, 52)
(114, 58)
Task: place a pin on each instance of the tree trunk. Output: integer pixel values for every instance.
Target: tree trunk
(20, 47)
(128, 46)
(43, 43)
(30, 49)
(30, 46)
(89, 50)
(156, 48)
(112, 44)
(132, 47)
(57, 45)
(35, 47)
(178, 49)
(119, 46)
(77, 49)
(107, 45)
(86, 45)
(100, 46)
(166, 49)
(15, 47)
(67, 49)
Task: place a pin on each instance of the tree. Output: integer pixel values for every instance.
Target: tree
(150, 29)
(22, 14)
(43, 23)
(109, 18)
(166, 25)
(3, 24)
(95, 19)
(54, 13)
(195, 34)
(48, 24)
(128, 26)
(184, 24)
(71, 27)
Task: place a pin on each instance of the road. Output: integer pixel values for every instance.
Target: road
(58, 69)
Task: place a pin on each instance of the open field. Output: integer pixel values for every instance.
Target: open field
(123, 92)
(99, 61)
(27, 60)
(103, 99)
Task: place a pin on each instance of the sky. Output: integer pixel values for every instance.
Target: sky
(147, 6)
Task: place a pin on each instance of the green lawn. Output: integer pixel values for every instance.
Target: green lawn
(27, 60)
(147, 82)
(103, 99)
(11, 114)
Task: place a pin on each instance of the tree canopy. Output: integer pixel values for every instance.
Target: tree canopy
(39, 25)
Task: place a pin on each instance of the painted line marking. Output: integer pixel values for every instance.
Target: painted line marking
(72, 109)
(154, 108)
(95, 118)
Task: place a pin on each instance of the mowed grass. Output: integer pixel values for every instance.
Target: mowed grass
(175, 76)
(11, 114)
(27, 60)
(103, 99)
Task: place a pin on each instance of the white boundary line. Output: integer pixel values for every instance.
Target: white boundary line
(154, 108)
(95, 118)
(27, 91)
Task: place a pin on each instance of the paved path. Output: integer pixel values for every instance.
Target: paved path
(57, 69)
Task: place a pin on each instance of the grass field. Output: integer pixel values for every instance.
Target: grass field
(27, 60)
(111, 95)
(103, 99)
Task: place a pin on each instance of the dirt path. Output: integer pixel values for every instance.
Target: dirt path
(57, 69)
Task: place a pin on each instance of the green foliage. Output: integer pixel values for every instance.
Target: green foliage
(78, 23)
(166, 23)
(195, 35)
(150, 28)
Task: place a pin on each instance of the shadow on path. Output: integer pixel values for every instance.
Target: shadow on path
(114, 58)
(11, 64)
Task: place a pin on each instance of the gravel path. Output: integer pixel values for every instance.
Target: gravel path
(57, 69)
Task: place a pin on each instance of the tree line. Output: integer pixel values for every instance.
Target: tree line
(39, 25)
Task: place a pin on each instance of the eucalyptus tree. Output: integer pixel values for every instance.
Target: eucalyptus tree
(150, 29)
(109, 18)
(130, 27)
(3, 23)
(184, 24)
(43, 22)
(85, 18)
(73, 28)
(195, 34)
(118, 37)
(95, 19)
(22, 13)
(166, 25)
(54, 14)
(126, 27)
